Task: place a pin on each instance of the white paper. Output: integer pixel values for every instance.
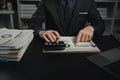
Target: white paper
(17, 39)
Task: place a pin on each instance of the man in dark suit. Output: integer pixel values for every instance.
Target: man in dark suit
(78, 18)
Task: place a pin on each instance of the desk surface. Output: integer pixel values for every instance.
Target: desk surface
(38, 66)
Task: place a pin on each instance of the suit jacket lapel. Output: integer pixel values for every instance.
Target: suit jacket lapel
(54, 8)
(75, 15)
(59, 9)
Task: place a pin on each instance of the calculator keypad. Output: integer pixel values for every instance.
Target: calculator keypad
(60, 45)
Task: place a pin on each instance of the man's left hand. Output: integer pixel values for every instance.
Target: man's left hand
(85, 34)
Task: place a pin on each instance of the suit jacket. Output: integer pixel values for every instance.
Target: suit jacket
(49, 11)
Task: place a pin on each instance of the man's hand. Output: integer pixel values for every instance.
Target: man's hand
(49, 35)
(85, 34)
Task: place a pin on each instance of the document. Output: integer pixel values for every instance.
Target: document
(82, 47)
(14, 39)
(13, 43)
(7, 35)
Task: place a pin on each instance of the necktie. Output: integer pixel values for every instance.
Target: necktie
(68, 13)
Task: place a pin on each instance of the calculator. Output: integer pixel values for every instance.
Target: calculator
(60, 45)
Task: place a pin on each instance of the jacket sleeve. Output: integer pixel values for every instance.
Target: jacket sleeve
(95, 19)
(38, 18)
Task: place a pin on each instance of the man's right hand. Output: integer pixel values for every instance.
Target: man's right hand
(49, 35)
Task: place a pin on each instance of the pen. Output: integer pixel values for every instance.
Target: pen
(93, 45)
(18, 34)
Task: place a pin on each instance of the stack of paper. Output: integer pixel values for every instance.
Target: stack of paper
(13, 43)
